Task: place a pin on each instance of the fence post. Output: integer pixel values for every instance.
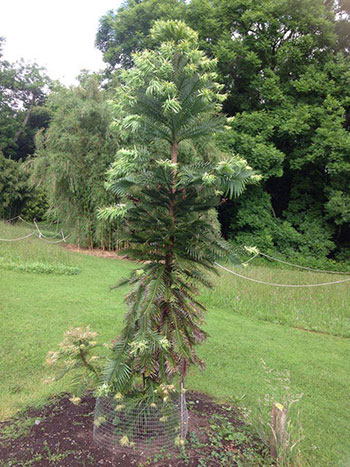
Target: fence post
(278, 429)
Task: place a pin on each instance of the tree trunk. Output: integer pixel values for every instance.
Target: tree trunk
(25, 121)
(174, 150)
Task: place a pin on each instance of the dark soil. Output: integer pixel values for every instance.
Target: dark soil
(60, 434)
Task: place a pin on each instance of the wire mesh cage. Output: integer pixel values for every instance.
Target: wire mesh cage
(140, 426)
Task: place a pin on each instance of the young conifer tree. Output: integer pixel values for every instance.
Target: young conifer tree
(165, 188)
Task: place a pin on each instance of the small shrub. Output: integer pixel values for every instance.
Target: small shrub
(76, 355)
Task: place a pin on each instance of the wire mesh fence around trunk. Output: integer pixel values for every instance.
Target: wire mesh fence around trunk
(126, 425)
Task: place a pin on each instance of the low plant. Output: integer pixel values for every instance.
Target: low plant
(39, 267)
(76, 355)
(19, 427)
(224, 444)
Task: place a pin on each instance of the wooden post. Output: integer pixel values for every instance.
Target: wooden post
(182, 401)
(182, 410)
(278, 429)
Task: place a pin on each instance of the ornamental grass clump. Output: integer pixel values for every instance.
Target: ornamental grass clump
(167, 182)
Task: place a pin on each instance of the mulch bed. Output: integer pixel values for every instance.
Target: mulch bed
(60, 434)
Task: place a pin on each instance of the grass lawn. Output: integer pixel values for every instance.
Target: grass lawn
(246, 322)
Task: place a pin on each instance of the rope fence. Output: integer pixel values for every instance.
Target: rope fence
(309, 268)
(253, 250)
(17, 239)
(39, 233)
(280, 285)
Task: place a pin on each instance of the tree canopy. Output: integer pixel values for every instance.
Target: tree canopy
(126, 31)
(23, 89)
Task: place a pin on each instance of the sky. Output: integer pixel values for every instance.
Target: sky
(58, 35)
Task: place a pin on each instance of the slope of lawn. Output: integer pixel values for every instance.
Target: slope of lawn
(320, 309)
(35, 310)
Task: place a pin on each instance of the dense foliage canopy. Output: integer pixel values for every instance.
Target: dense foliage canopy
(23, 89)
(14, 190)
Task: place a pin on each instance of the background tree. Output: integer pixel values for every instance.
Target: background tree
(23, 89)
(126, 31)
(165, 188)
(294, 74)
(71, 159)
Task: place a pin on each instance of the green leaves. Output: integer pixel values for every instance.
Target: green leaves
(14, 189)
(116, 376)
(112, 213)
(171, 105)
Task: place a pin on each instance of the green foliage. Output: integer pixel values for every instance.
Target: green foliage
(126, 31)
(36, 206)
(255, 223)
(291, 133)
(71, 159)
(14, 190)
(165, 191)
(38, 267)
(225, 441)
(23, 88)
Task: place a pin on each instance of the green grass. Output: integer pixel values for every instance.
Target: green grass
(18, 428)
(33, 254)
(35, 310)
(320, 309)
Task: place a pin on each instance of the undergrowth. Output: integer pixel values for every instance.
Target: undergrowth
(39, 267)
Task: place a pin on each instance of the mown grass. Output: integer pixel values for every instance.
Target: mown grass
(35, 310)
